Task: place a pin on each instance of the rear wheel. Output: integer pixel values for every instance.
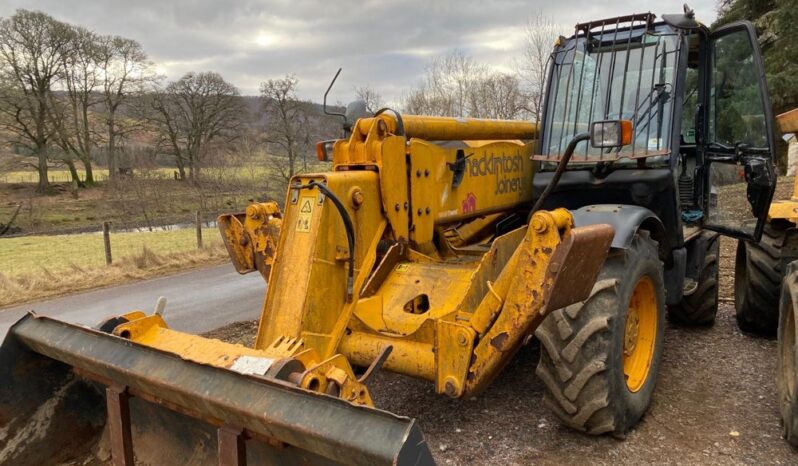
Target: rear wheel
(701, 306)
(787, 373)
(757, 281)
(599, 358)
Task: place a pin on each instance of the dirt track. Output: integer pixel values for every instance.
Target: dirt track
(715, 403)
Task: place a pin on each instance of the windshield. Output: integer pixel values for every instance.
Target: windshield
(619, 74)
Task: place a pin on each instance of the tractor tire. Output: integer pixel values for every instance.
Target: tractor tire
(586, 346)
(787, 365)
(701, 306)
(757, 282)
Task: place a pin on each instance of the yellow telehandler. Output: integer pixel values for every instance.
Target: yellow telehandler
(766, 291)
(436, 247)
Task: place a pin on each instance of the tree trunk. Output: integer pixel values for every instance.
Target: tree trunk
(85, 160)
(89, 172)
(44, 182)
(181, 168)
(112, 172)
(42, 151)
(73, 173)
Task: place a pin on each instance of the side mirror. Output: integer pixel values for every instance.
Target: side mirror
(759, 177)
(684, 20)
(611, 134)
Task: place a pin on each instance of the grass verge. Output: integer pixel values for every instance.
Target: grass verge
(66, 253)
(45, 283)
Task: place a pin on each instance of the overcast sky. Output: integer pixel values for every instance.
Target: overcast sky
(382, 44)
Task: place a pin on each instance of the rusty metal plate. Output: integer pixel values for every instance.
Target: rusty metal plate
(577, 158)
(50, 416)
(576, 263)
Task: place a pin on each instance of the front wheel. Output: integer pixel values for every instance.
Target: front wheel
(787, 367)
(599, 358)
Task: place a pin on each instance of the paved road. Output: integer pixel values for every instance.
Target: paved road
(197, 301)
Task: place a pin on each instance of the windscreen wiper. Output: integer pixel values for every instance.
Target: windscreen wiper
(661, 98)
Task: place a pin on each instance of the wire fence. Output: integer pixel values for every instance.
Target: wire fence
(121, 224)
(106, 243)
(58, 177)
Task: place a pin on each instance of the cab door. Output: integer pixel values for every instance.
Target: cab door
(738, 145)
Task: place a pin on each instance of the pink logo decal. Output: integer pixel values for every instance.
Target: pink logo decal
(469, 203)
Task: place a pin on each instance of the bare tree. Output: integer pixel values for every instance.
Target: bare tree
(497, 95)
(32, 47)
(72, 111)
(250, 155)
(126, 73)
(287, 127)
(446, 85)
(193, 113)
(456, 85)
(370, 96)
(539, 36)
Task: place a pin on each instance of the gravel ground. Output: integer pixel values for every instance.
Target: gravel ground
(715, 403)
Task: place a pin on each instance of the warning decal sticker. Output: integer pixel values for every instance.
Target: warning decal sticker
(305, 213)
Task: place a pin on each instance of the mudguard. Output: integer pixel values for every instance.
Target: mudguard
(625, 219)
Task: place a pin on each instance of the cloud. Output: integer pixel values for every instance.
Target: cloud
(382, 44)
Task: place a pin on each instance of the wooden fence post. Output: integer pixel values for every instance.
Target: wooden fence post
(107, 241)
(199, 229)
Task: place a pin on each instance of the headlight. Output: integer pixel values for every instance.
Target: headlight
(611, 133)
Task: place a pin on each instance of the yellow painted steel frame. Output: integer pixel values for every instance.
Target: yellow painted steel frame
(251, 238)
(455, 319)
(478, 309)
(416, 197)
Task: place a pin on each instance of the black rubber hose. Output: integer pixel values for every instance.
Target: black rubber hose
(400, 124)
(348, 226)
(566, 157)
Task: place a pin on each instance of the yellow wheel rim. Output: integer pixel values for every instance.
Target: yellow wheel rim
(640, 334)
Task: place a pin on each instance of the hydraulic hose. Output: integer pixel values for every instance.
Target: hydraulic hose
(348, 226)
(566, 157)
(400, 125)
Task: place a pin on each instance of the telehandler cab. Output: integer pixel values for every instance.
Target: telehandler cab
(436, 247)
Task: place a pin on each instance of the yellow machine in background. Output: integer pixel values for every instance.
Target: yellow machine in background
(760, 267)
(786, 209)
(766, 291)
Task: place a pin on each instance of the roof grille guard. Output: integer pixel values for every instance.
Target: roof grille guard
(619, 68)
